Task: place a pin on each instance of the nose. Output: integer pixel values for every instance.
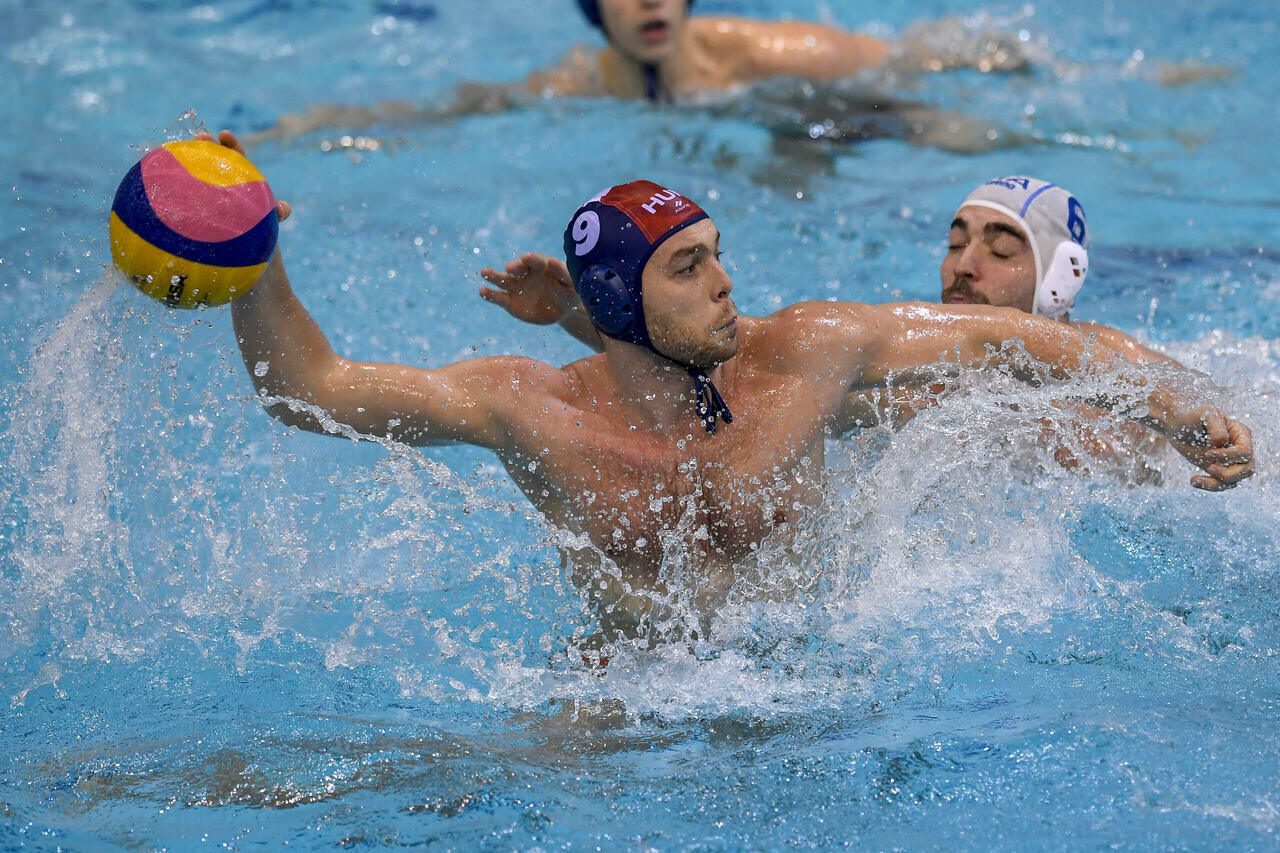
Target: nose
(967, 262)
(721, 284)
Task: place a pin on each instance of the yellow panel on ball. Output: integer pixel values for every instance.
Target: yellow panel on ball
(175, 281)
(193, 223)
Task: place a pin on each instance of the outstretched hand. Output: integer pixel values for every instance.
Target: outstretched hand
(230, 140)
(535, 288)
(538, 289)
(1216, 444)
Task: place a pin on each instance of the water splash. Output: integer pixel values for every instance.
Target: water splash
(64, 532)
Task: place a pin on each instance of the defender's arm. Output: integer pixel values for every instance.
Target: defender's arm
(896, 340)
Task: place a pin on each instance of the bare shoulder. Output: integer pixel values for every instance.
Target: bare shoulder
(1122, 343)
(805, 331)
(742, 43)
(746, 30)
(722, 28)
(816, 319)
(760, 48)
(526, 376)
(515, 392)
(576, 75)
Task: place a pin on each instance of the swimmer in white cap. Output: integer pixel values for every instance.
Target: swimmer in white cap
(1021, 242)
(703, 426)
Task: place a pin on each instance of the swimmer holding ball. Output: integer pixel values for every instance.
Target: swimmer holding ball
(695, 421)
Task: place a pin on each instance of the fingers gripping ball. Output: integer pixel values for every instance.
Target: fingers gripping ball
(193, 223)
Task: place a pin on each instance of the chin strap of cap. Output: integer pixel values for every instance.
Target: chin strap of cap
(654, 88)
(708, 402)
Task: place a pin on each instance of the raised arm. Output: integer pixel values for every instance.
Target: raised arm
(291, 362)
(290, 359)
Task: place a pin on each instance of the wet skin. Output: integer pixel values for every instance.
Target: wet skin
(994, 266)
(988, 262)
(705, 54)
(609, 447)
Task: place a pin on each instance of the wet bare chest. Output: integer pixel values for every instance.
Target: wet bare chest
(642, 498)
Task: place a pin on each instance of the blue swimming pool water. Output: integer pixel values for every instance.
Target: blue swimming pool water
(222, 634)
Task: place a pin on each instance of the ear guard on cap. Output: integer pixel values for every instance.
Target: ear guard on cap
(1056, 293)
(608, 302)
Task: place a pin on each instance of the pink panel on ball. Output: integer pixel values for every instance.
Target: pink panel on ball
(200, 211)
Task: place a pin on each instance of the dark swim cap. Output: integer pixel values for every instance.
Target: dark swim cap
(607, 244)
(591, 9)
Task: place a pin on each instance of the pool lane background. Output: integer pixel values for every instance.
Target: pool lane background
(210, 619)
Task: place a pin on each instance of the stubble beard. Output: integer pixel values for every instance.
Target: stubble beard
(702, 352)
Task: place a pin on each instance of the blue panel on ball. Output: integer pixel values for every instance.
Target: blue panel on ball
(248, 249)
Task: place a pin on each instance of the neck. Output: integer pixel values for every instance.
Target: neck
(625, 74)
(655, 392)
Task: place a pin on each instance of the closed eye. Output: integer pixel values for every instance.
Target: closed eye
(697, 259)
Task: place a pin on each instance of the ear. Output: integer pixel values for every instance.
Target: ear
(1056, 293)
(608, 302)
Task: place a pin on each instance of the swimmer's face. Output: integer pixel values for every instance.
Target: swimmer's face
(989, 261)
(645, 31)
(687, 307)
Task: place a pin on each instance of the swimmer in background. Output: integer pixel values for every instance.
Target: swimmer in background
(657, 50)
(695, 428)
(1015, 242)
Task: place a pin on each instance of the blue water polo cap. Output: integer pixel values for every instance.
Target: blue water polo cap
(607, 243)
(591, 9)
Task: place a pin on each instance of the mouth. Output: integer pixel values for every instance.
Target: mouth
(728, 328)
(958, 294)
(655, 31)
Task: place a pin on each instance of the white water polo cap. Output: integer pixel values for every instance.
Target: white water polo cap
(1053, 221)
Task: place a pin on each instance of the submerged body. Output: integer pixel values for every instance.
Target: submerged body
(656, 50)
